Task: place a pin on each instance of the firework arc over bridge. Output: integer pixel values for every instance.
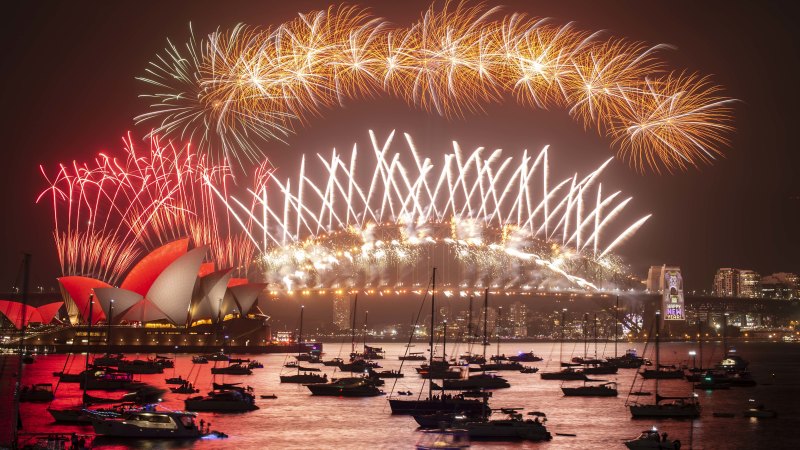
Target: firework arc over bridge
(236, 89)
(382, 219)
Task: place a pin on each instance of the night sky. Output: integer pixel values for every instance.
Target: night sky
(68, 92)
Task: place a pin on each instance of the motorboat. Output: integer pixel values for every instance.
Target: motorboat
(600, 369)
(165, 361)
(469, 358)
(148, 424)
(199, 359)
(305, 378)
(81, 414)
(175, 380)
(385, 374)
(672, 407)
(218, 356)
(525, 357)
(294, 365)
(233, 369)
(346, 387)
(109, 360)
(358, 365)
(479, 381)
(631, 360)
(102, 380)
(608, 389)
(497, 358)
(499, 365)
(414, 356)
(512, 427)
(369, 353)
(528, 369)
(141, 366)
(713, 381)
(223, 400)
(662, 373)
(335, 362)
(458, 403)
(447, 439)
(565, 374)
(439, 419)
(255, 365)
(185, 388)
(440, 369)
(41, 392)
(651, 440)
(760, 412)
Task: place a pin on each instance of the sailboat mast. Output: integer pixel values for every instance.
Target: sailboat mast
(497, 328)
(300, 334)
(485, 315)
(616, 326)
(433, 323)
(469, 323)
(595, 335)
(658, 352)
(444, 352)
(353, 327)
(563, 319)
(585, 337)
(110, 317)
(89, 347)
(366, 318)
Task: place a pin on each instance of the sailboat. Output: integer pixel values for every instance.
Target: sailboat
(675, 407)
(594, 366)
(482, 380)
(498, 359)
(443, 403)
(304, 377)
(569, 372)
(606, 389)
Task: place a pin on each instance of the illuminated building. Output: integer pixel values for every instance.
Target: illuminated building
(749, 284)
(518, 319)
(726, 283)
(341, 312)
(780, 285)
(730, 282)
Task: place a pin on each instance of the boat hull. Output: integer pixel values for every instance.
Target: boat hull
(675, 412)
(218, 406)
(472, 408)
(588, 392)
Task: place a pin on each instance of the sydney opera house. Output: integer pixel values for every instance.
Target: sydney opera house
(171, 297)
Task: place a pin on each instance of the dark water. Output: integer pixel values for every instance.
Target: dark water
(298, 420)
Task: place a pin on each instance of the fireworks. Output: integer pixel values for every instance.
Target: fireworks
(482, 218)
(106, 213)
(236, 89)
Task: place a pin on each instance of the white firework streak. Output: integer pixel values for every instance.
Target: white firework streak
(470, 196)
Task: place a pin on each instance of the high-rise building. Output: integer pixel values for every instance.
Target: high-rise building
(726, 283)
(749, 284)
(730, 282)
(341, 312)
(518, 319)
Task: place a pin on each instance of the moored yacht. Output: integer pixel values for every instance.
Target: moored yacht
(148, 424)
(608, 389)
(512, 427)
(479, 381)
(525, 357)
(231, 398)
(565, 374)
(414, 356)
(651, 440)
(233, 369)
(346, 387)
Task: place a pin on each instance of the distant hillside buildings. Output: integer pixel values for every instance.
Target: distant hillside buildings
(745, 283)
